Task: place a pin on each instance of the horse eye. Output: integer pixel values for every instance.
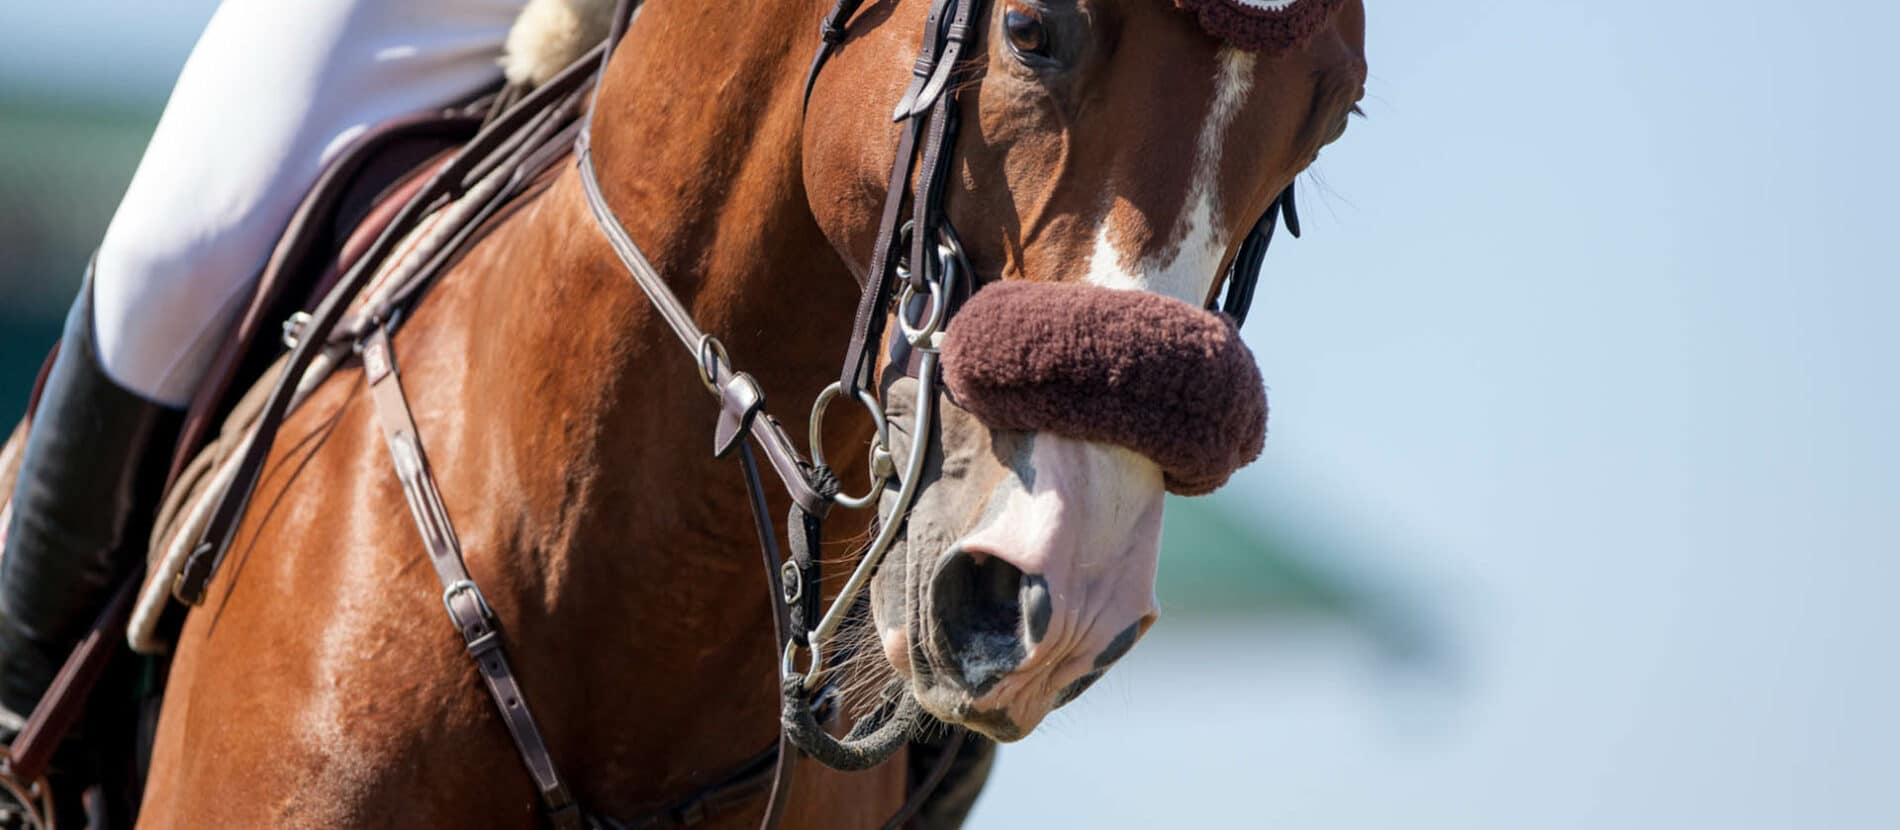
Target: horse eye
(1026, 33)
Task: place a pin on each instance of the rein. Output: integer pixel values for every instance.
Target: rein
(813, 487)
(917, 267)
(795, 581)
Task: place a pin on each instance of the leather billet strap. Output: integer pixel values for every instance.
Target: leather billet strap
(466, 607)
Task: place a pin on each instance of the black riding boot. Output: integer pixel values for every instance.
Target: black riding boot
(81, 509)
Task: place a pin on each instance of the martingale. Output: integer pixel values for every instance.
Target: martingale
(1191, 399)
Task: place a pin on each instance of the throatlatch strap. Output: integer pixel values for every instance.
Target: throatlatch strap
(467, 609)
(1244, 276)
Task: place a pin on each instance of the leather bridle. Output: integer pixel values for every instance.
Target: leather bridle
(918, 269)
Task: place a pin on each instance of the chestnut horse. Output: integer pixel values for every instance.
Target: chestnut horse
(1117, 143)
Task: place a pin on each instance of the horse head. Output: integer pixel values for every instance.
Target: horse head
(1115, 154)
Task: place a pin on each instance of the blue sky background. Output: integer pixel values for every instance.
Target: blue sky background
(1588, 356)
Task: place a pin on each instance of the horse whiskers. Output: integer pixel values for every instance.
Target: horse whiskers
(861, 673)
(859, 544)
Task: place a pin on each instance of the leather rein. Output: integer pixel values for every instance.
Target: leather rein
(795, 580)
(918, 268)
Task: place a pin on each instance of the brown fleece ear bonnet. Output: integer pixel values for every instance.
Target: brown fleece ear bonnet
(1150, 373)
(1261, 25)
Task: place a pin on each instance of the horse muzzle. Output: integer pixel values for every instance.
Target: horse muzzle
(1143, 371)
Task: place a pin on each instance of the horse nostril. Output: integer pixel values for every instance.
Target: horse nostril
(1037, 607)
(977, 600)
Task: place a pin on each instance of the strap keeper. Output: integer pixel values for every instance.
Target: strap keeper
(960, 33)
(830, 31)
(567, 817)
(484, 645)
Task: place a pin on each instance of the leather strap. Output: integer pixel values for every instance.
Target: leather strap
(939, 58)
(946, 758)
(446, 184)
(787, 762)
(801, 580)
(741, 400)
(463, 600)
(925, 67)
(870, 319)
(30, 754)
(831, 32)
(1245, 274)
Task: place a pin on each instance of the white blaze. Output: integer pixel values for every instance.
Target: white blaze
(1187, 270)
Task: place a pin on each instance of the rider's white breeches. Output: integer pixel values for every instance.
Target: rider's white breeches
(272, 90)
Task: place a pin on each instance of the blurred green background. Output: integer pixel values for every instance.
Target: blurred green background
(63, 164)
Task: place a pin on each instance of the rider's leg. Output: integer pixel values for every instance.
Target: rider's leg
(271, 90)
(269, 94)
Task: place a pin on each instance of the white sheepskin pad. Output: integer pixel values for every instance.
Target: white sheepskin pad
(550, 34)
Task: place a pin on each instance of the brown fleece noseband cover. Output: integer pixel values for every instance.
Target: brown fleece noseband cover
(1150, 373)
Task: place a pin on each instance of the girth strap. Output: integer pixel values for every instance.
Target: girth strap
(467, 609)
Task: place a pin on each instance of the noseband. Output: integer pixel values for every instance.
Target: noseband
(917, 268)
(1150, 373)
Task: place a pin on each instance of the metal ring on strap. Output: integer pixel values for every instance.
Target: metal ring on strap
(711, 355)
(882, 466)
(920, 334)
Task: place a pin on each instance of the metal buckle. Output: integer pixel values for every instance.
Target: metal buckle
(463, 586)
(294, 327)
(791, 582)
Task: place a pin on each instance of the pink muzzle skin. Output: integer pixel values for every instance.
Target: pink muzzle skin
(1143, 371)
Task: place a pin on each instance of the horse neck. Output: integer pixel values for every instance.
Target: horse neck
(699, 154)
